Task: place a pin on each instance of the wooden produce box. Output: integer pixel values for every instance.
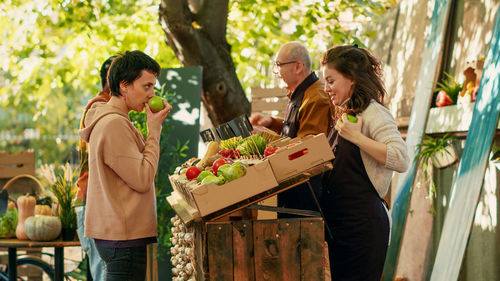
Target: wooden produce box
(210, 198)
(285, 249)
(15, 164)
(297, 155)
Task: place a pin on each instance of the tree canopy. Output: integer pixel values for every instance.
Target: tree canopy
(52, 51)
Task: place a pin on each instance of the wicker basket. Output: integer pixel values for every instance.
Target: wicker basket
(14, 179)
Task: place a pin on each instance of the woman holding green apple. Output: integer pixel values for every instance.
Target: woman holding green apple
(121, 200)
(368, 148)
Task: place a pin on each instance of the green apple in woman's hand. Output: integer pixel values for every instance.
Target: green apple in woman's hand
(156, 103)
(352, 118)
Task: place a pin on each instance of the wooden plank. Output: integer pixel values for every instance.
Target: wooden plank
(279, 114)
(416, 245)
(15, 164)
(470, 174)
(312, 237)
(269, 104)
(15, 243)
(452, 118)
(201, 255)
(402, 122)
(244, 268)
(266, 246)
(17, 158)
(220, 251)
(258, 92)
(429, 67)
(276, 244)
(289, 248)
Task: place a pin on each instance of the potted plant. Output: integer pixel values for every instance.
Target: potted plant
(438, 151)
(447, 91)
(64, 190)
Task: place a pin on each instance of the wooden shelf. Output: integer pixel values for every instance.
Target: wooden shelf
(452, 119)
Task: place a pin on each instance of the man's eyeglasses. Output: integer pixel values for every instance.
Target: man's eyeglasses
(280, 64)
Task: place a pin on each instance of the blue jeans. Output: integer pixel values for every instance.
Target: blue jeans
(124, 264)
(97, 265)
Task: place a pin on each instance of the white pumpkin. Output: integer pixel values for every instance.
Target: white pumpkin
(42, 228)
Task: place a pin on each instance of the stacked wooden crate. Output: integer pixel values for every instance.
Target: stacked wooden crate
(11, 166)
(273, 102)
(269, 101)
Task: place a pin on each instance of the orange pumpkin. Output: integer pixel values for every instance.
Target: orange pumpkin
(43, 210)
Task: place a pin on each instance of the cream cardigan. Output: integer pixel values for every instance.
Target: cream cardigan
(379, 125)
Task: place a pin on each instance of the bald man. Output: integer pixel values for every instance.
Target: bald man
(309, 112)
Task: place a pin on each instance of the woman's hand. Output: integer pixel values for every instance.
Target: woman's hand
(352, 132)
(349, 130)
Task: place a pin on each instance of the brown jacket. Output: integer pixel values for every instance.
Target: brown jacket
(315, 113)
(121, 200)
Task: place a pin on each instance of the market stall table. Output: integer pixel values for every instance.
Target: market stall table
(58, 245)
(245, 239)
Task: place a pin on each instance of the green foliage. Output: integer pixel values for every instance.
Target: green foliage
(495, 153)
(318, 24)
(427, 149)
(8, 223)
(64, 189)
(50, 65)
(450, 86)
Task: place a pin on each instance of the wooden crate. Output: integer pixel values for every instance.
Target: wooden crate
(12, 166)
(284, 249)
(270, 101)
(15, 164)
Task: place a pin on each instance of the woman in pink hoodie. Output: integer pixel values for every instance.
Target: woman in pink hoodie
(121, 208)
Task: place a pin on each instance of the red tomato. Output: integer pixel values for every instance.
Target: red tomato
(270, 150)
(192, 172)
(443, 99)
(219, 162)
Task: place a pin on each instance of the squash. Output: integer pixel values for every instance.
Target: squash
(11, 205)
(43, 210)
(42, 228)
(26, 208)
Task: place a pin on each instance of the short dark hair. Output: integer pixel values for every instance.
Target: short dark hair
(363, 68)
(128, 67)
(104, 70)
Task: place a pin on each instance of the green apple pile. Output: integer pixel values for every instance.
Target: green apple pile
(225, 173)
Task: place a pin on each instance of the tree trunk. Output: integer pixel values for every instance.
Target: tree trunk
(196, 31)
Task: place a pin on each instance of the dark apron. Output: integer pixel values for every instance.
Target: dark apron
(298, 197)
(355, 214)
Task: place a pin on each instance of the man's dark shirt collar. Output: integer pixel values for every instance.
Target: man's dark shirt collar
(310, 79)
